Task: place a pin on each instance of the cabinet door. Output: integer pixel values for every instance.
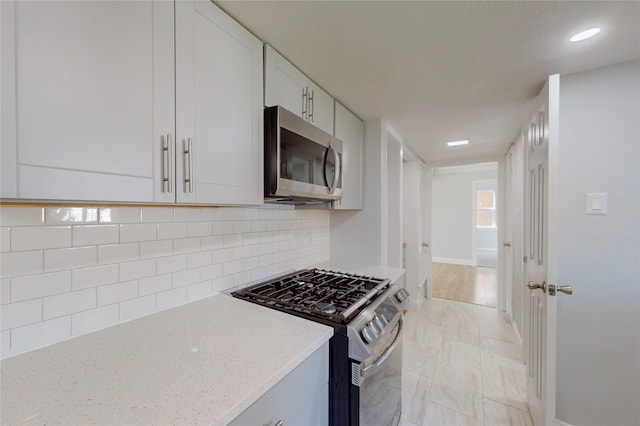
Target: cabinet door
(320, 108)
(300, 398)
(87, 93)
(350, 130)
(218, 108)
(285, 85)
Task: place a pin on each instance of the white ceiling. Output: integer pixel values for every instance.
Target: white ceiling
(440, 71)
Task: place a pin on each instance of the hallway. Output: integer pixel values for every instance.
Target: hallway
(462, 283)
(462, 366)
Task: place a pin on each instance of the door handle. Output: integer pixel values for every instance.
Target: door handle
(566, 289)
(425, 245)
(507, 244)
(534, 286)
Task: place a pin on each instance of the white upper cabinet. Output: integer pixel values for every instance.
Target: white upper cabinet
(286, 86)
(86, 96)
(219, 89)
(100, 101)
(350, 130)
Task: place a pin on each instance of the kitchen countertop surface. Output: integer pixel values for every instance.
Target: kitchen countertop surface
(200, 363)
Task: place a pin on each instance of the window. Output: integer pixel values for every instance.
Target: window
(486, 209)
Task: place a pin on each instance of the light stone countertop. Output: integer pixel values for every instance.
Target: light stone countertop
(200, 363)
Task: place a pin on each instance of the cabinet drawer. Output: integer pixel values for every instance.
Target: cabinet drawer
(301, 398)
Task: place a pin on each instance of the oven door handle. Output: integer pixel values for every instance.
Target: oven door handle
(375, 367)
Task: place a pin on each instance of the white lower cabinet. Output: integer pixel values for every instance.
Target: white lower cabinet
(301, 398)
(100, 101)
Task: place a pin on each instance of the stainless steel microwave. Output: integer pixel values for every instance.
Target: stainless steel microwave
(302, 164)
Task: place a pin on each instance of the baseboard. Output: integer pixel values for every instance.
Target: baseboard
(466, 262)
(561, 423)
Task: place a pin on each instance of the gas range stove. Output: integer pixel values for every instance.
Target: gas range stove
(366, 314)
(330, 295)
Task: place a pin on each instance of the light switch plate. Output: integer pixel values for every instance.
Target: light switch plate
(595, 203)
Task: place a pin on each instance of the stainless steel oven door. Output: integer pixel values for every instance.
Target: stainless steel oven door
(381, 384)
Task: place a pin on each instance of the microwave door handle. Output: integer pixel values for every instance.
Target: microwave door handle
(338, 166)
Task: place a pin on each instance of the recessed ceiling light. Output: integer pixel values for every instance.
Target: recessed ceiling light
(456, 143)
(583, 35)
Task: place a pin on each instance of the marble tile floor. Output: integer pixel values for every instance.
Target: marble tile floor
(462, 366)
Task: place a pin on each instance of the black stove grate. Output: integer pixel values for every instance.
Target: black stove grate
(320, 293)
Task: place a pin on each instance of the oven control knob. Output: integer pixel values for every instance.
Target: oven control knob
(381, 321)
(367, 335)
(374, 327)
(401, 295)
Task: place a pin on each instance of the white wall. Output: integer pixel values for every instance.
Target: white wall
(598, 368)
(67, 271)
(452, 212)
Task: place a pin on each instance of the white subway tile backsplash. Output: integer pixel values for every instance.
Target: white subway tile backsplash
(138, 232)
(157, 214)
(196, 260)
(232, 267)
(199, 229)
(233, 213)
(222, 228)
(119, 215)
(5, 344)
(223, 255)
(186, 245)
(94, 319)
(211, 272)
(21, 263)
(34, 286)
(233, 240)
(40, 334)
(137, 269)
(21, 313)
(171, 231)
(5, 239)
(155, 284)
(112, 293)
(221, 284)
(21, 216)
(5, 293)
(187, 214)
(172, 263)
(199, 291)
(119, 263)
(171, 298)
(69, 258)
(211, 243)
(116, 253)
(241, 278)
(94, 276)
(183, 278)
(136, 308)
(211, 213)
(40, 237)
(70, 215)
(92, 235)
(155, 249)
(69, 303)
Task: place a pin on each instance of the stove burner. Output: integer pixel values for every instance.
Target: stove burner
(327, 308)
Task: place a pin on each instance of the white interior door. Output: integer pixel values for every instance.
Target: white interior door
(507, 250)
(541, 139)
(424, 219)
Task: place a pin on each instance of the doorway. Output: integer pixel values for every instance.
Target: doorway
(464, 233)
